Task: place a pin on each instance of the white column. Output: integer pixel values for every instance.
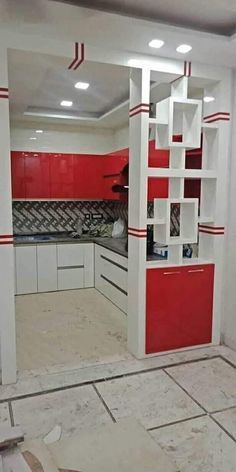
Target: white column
(7, 305)
(138, 161)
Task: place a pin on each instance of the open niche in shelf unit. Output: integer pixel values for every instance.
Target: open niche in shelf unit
(180, 116)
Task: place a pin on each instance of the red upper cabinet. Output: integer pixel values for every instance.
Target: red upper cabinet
(37, 175)
(179, 307)
(113, 165)
(61, 175)
(18, 174)
(88, 176)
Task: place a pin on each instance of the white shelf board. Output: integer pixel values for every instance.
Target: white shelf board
(157, 264)
(181, 173)
(156, 221)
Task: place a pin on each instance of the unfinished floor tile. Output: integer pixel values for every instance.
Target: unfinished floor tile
(212, 382)
(152, 397)
(198, 445)
(72, 409)
(227, 419)
(4, 414)
(121, 447)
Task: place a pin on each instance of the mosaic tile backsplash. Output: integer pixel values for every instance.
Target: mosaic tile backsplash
(46, 216)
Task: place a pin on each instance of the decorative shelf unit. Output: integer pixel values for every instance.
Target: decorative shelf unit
(180, 116)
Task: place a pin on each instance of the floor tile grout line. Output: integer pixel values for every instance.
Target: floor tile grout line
(222, 427)
(184, 390)
(227, 361)
(104, 403)
(172, 423)
(105, 379)
(11, 413)
(214, 412)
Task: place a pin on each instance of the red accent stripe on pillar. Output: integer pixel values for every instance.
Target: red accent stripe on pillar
(2, 236)
(139, 106)
(213, 233)
(136, 235)
(220, 228)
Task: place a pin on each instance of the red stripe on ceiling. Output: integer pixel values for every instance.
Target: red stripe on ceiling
(185, 68)
(76, 56)
(216, 114)
(190, 69)
(81, 56)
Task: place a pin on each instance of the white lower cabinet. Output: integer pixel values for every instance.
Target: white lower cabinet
(26, 269)
(47, 267)
(51, 267)
(111, 276)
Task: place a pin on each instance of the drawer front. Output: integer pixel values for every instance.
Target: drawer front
(116, 296)
(69, 255)
(114, 273)
(70, 278)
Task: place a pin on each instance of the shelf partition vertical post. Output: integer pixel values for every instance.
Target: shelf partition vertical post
(138, 162)
(7, 312)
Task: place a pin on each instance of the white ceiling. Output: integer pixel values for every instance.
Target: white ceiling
(216, 16)
(38, 83)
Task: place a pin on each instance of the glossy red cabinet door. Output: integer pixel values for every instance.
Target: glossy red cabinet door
(37, 175)
(88, 176)
(113, 165)
(61, 175)
(179, 307)
(18, 174)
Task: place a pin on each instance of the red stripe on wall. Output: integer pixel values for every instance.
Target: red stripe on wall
(212, 227)
(4, 96)
(136, 235)
(210, 232)
(216, 114)
(3, 89)
(185, 67)
(6, 242)
(137, 230)
(2, 236)
(76, 56)
(139, 106)
(137, 112)
(81, 56)
(217, 119)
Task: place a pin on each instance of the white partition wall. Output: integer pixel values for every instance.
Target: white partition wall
(153, 323)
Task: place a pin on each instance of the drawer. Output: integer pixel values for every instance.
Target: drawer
(116, 296)
(70, 278)
(69, 255)
(114, 272)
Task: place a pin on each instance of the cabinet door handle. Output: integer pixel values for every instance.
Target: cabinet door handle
(196, 270)
(172, 273)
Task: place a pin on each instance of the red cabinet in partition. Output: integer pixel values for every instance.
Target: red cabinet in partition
(179, 307)
(113, 164)
(37, 175)
(61, 175)
(88, 176)
(18, 174)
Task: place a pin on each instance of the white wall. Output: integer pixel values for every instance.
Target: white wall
(229, 319)
(59, 138)
(121, 138)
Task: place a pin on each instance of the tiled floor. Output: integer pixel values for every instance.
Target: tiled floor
(186, 400)
(51, 330)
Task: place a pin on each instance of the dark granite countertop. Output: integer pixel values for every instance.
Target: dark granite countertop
(116, 245)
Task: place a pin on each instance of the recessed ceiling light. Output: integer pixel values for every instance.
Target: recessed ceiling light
(33, 137)
(208, 99)
(156, 43)
(82, 85)
(66, 103)
(184, 48)
(39, 131)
